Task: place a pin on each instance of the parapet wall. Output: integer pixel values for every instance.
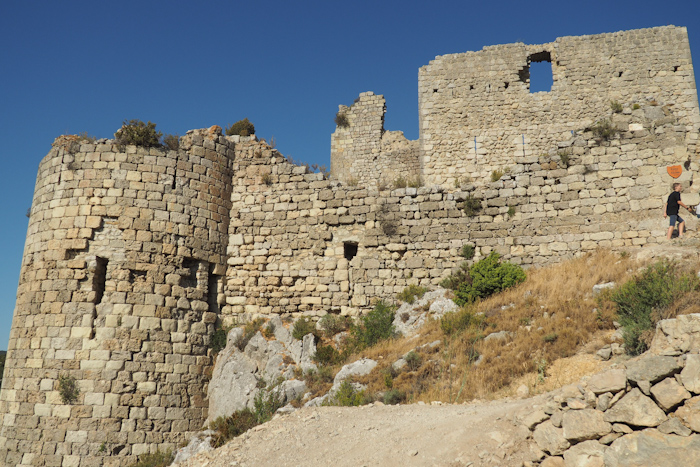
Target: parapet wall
(477, 114)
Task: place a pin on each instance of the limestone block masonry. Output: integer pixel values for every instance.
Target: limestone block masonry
(134, 256)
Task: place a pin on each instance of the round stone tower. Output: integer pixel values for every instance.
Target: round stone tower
(117, 300)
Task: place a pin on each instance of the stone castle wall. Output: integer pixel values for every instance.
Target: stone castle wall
(364, 154)
(123, 261)
(133, 254)
(477, 114)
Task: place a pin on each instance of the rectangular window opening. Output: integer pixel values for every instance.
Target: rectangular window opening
(349, 250)
(539, 72)
(213, 290)
(99, 279)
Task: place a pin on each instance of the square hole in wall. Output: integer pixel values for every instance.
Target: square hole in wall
(349, 250)
(539, 72)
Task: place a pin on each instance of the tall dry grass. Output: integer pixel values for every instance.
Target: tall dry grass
(551, 315)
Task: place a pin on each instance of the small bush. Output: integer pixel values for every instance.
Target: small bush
(85, 138)
(565, 158)
(468, 251)
(471, 206)
(511, 211)
(400, 183)
(496, 175)
(551, 337)
(265, 405)
(486, 277)
(347, 396)
(374, 326)
(353, 181)
(616, 107)
(269, 331)
(456, 322)
(641, 302)
(241, 127)
(636, 107)
(249, 330)
(341, 120)
(302, 327)
(68, 389)
(327, 355)
(413, 360)
(172, 142)
(226, 428)
(266, 179)
(604, 129)
(334, 324)
(157, 459)
(394, 396)
(217, 343)
(138, 133)
(410, 293)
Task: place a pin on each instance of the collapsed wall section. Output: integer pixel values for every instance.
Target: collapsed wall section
(118, 296)
(364, 154)
(477, 113)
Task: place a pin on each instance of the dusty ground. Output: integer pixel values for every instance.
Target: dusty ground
(482, 434)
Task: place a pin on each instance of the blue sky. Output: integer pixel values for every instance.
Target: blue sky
(85, 66)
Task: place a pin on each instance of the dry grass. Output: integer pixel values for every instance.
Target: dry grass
(556, 324)
(551, 316)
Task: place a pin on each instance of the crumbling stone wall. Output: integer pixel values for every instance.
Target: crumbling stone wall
(364, 154)
(118, 290)
(477, 114)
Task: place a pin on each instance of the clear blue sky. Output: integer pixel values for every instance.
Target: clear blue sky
(85, 66)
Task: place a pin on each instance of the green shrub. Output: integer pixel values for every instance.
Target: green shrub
(511, 211)
(467, 251)
(456, 322)
(341, 120)
(157, 459)
(484, 278)
(471, 206)
(636, 107)
(241, 127)
(641, 301)
(226, 428)
(138, 133)
(565, 158)
(400, 183)
(68, 389)
(302, 327)
(327, 355)
(496, 175)
(413, 360)
(217, 343)
(410, 293)
(604, 129)
(374, 326)
(616, 107)
(171, 142)
(347, 396)
(333, 324)
(265, 405)
(551, 337)
(394, 396)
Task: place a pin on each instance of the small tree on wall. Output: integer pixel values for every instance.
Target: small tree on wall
(241, 127)
(138, 133)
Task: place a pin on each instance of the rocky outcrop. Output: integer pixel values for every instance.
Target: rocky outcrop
(644, 412)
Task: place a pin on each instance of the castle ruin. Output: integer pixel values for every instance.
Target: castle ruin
(134, 255)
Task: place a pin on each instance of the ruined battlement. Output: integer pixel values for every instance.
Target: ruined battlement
(134, 255)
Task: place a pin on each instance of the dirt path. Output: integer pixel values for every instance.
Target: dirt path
(482, 434)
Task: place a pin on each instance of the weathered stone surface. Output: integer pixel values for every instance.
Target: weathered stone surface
(635, 409)
(359, 368)
(652, 368)
(553, 461)
(674, 426)
(581, 425)
(585, 454)
(534, 418)
(690, 375)
(608, 381)
(668, 393)
(550, 439)
(676, 336)
(651, 448)
(233, 385)
(689, 412)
